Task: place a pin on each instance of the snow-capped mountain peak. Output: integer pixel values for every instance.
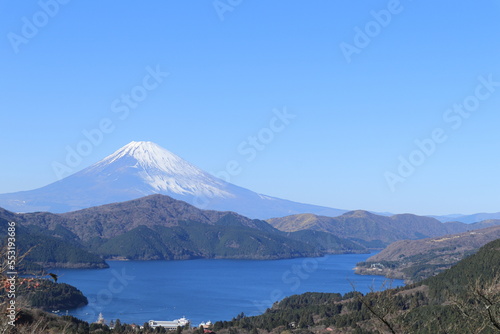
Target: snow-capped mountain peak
(162, 170)
(151, 155)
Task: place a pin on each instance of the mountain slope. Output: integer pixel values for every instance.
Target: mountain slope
(110, 220)
(374, 230)
(191, 240)
(143, 168)
(414, 260)
(48, 251)
(160, 227)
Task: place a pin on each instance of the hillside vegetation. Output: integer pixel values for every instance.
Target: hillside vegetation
(192, 240)
(375, 231)
(414, 260)
(158, 227)
(47, 251)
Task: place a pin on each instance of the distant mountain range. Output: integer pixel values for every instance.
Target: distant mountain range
(469, 219)
(144, 168)
(158, 227)
(373, 230)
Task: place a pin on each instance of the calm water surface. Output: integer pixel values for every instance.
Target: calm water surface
(202, 290)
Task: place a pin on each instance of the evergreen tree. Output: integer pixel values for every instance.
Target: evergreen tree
(118, 326)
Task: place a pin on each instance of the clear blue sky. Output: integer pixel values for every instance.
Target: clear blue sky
(360, 101)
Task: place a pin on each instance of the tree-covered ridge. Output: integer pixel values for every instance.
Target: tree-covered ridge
(482, 268)
(46, 251)
(192, 240)
(161, 228)
(414, 260)
(375, 231)
(111, 220)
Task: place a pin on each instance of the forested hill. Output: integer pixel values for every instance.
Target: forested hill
(414, 260)
(158, 227)
(464, 299)
(40, 249)
(376, 231)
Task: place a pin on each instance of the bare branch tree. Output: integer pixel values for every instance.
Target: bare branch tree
(380, 304)
(480, 304)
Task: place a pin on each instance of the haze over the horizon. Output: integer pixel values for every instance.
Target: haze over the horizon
(383, 106)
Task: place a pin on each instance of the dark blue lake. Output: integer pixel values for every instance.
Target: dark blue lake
(202, 290)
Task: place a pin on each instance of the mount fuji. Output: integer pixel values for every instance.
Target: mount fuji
(143, 168)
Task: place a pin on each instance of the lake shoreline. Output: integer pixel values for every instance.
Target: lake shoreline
(139, 291)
